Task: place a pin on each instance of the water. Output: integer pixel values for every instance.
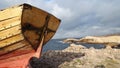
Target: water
(57, 44)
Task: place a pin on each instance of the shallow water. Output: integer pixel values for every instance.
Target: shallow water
(57, 44)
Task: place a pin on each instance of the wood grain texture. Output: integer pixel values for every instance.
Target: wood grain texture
(11, 40)
(22, 29)
(10, 12)
(37, 18)
(13, 47)
(10, 23)
(10, 32)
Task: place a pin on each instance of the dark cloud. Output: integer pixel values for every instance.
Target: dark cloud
(80, 17)
(91, 17)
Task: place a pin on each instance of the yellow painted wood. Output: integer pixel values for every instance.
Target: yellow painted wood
(12, 48)
(26, 47)
(10, 32)
(11, 12)
(11, 40)
(20, 45)
(10, 23)
(13, 19)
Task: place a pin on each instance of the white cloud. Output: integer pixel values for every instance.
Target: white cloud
(108, 11)
(80, 17)
(95, 27)
(60, 12)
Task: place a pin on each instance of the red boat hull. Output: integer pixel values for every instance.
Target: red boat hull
(18, 62)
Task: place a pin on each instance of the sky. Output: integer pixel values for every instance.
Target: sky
(79, 18)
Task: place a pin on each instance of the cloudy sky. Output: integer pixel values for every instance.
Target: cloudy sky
(79, 17)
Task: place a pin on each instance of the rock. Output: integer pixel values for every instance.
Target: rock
(108, 47)
(70, 40)
(112, 41)
(74, 48)
(77, 46)
(91, 48)
(74, 57)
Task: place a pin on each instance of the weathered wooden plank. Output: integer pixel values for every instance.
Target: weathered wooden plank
(32, 37)
(10, 32)
(16, 54)
(11, 40)
(17, 46)
(37, 18)
(11, 12)
(35, 24)
(9, 23)
(34, 16)
(51, 28)
(48, 37)
(53, 23)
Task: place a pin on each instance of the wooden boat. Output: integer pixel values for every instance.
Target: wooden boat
(24, 29)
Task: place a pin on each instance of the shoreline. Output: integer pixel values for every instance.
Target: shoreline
(77, 56)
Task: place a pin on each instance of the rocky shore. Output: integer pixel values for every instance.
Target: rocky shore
(108, 41)
(78, 56)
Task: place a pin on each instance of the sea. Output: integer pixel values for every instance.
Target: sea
(58, 44)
